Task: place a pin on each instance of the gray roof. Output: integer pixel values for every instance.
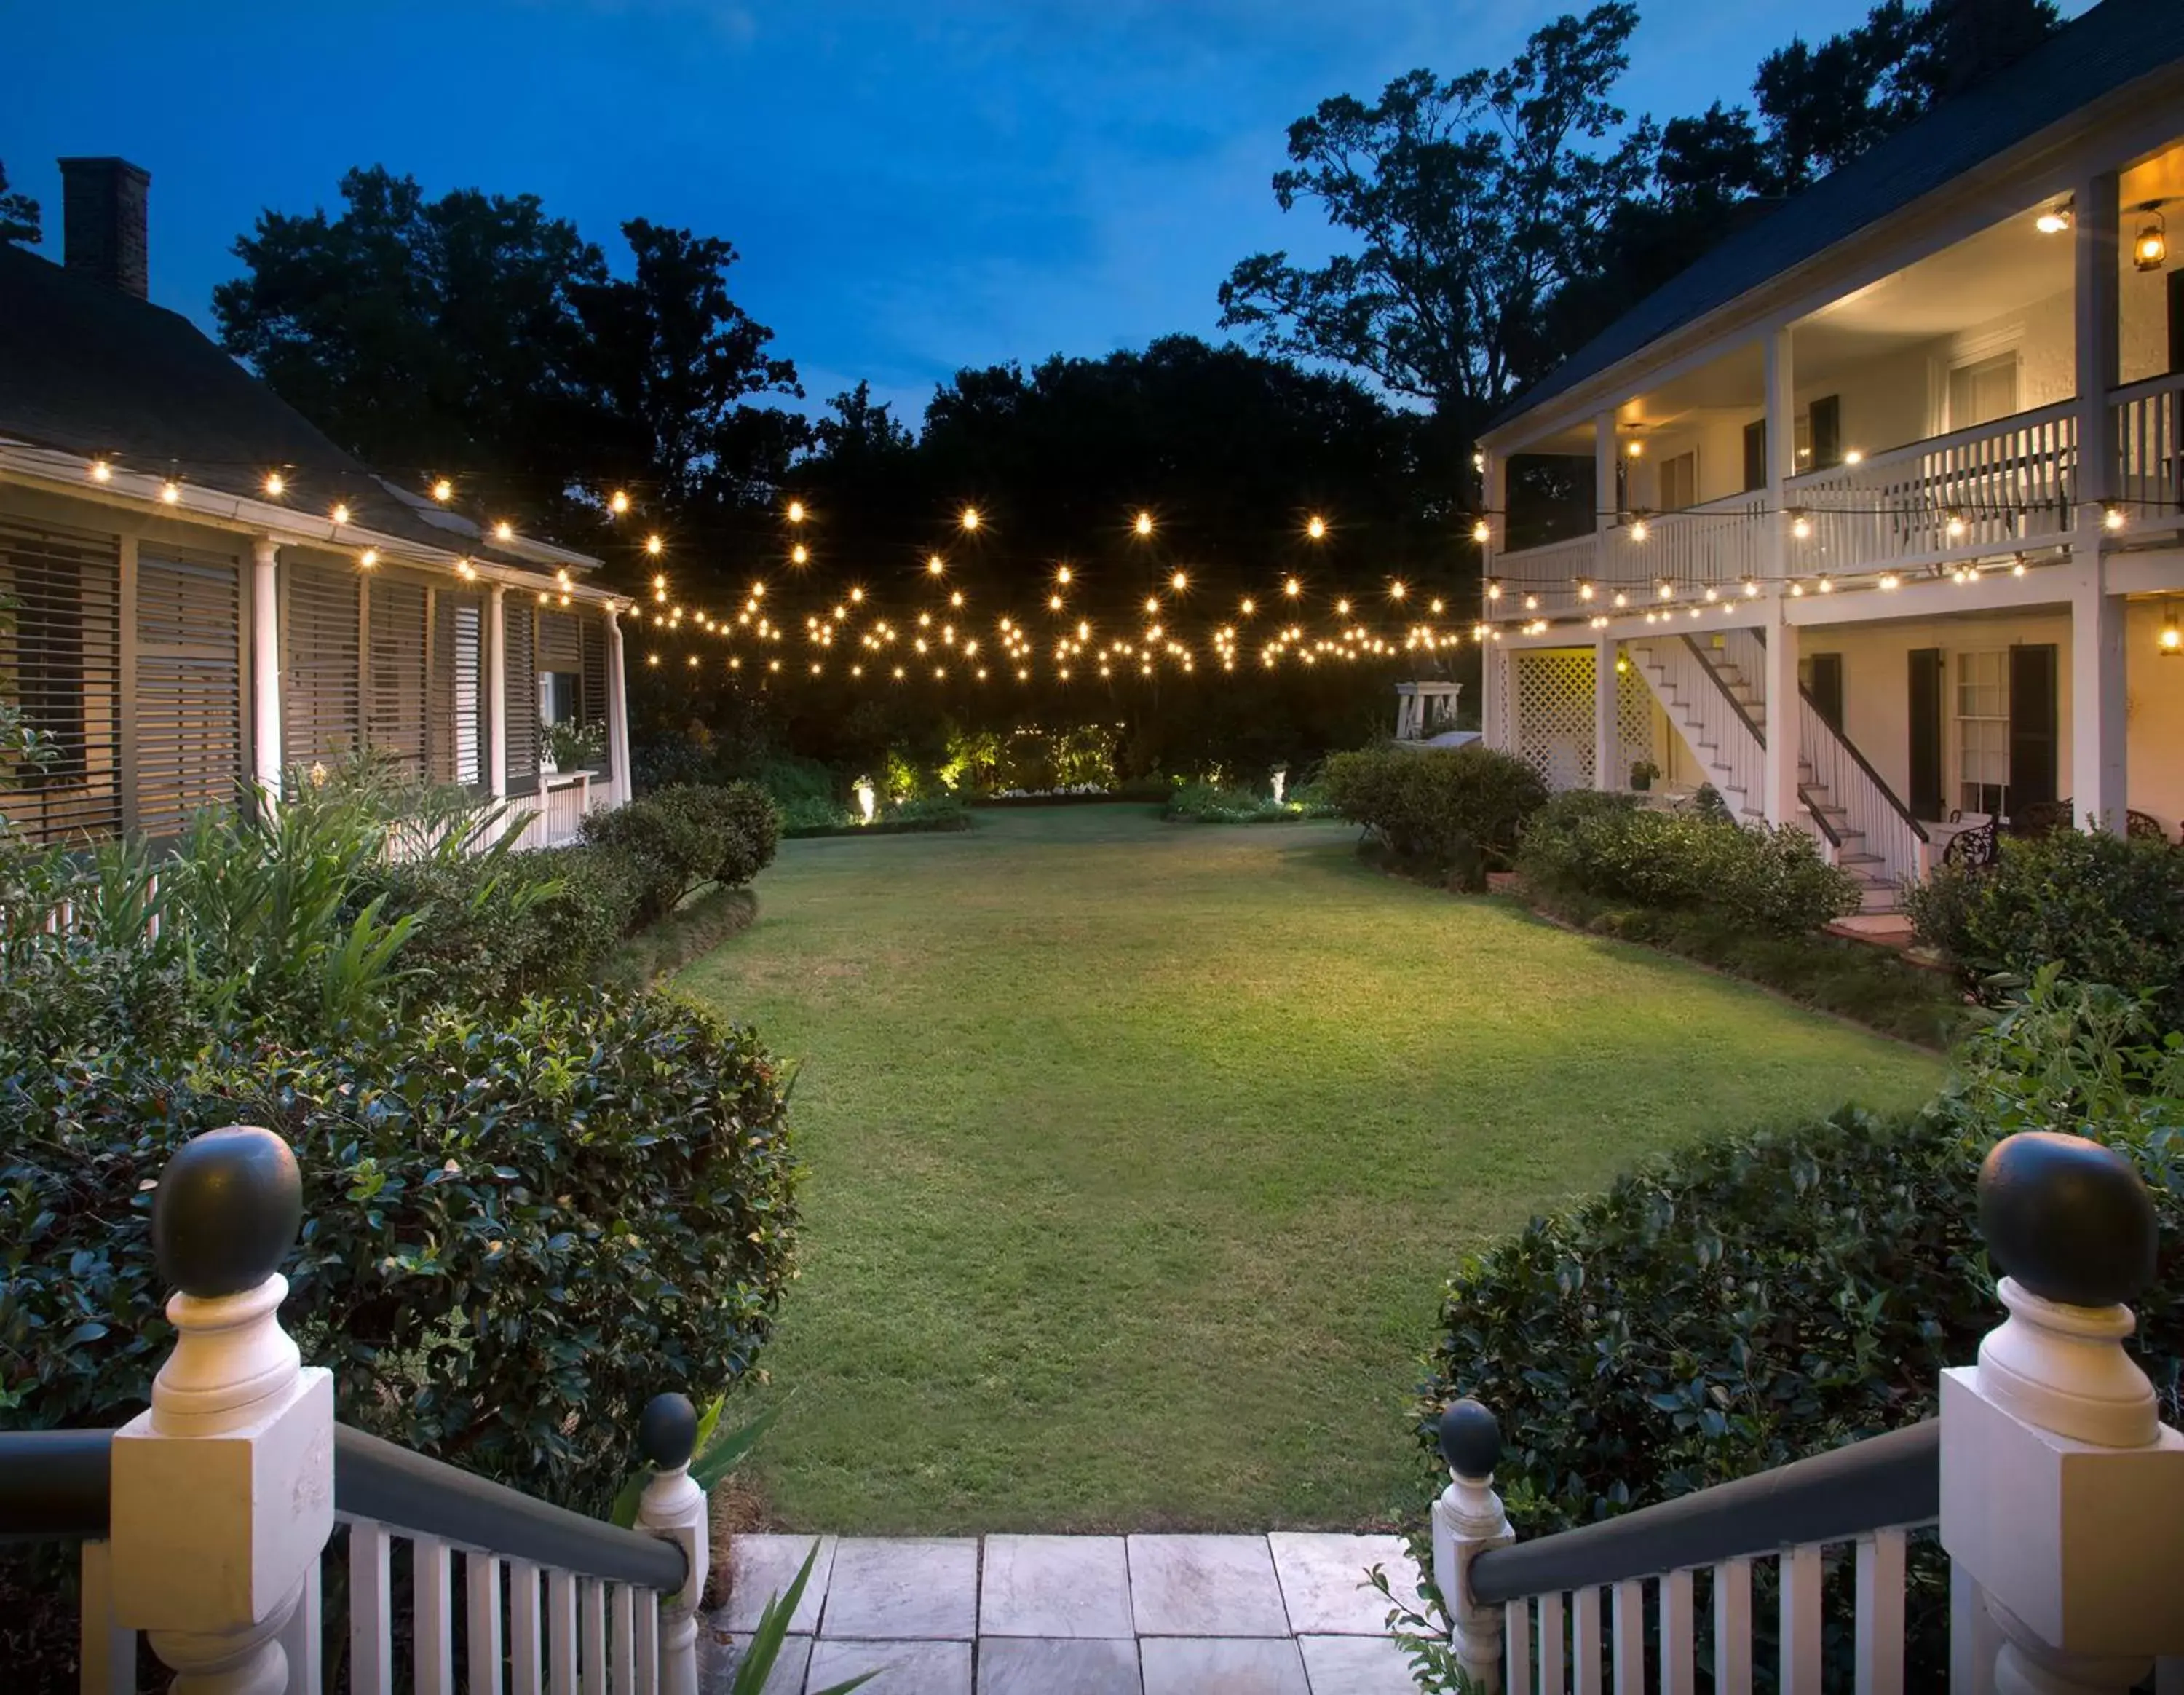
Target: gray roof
(2114, 44)
(91, 369)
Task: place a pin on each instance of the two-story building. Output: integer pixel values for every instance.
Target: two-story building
(201, 595)
(1883, 533)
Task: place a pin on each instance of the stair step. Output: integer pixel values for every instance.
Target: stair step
(1853, 862)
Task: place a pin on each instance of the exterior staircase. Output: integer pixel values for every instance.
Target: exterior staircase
(1716, 698)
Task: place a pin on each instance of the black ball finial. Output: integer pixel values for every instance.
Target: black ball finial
(1470, 1439)
(227, 1211)
(2067, 1218)
(667, 1431)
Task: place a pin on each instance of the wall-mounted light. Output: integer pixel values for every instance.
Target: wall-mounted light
(2054, 219)
(2171, 639)
(2149, 248)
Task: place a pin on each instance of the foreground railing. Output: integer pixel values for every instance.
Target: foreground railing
(2058, 1494)
(204, 1522)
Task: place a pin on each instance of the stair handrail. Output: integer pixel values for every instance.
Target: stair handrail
(1880, 783)
(2058, 1491)
(1735, 705)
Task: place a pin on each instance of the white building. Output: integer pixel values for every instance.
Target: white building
(1886, 488)
(199, 592)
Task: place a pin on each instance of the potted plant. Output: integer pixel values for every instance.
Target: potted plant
(571, 746)
(1642, 773)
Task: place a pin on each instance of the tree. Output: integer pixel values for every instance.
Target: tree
(1472, 201)
(19, 216)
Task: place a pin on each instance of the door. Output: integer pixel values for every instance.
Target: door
(1826, 427)
(1926, 717)
(1755, 456)
(1828, 689)
(2034, 723)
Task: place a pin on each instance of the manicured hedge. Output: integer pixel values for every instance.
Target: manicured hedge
(1456, 811)
(686, 835)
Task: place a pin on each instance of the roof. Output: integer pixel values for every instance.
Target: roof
(2112, 45)
(89, 369)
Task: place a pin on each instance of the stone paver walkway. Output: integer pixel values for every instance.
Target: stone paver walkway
(1286, 1614)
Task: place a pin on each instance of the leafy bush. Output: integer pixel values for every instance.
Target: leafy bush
(1457, 811)
(1773, 882)
(736, 822)
(2110, 909)
(519, 1228)
(1208, 803)
(686, 835)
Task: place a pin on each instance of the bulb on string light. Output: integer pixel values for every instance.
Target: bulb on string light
(1292, 588)
(1316, 527)
(2112, 517)
(1801, 524)
(276, 484)
(101, 472)
(368, 557)
(1144, 526)
(1481, 532)
(796, 511)
(799, 554)
(443, 491)
(1179, 582)
(503, 530)
(970, 519)
(170, 491)
(341, 513)
(653, 545)
(1398, 589)
(618, 503)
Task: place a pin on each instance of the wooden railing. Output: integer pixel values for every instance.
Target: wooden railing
(205, 1523)
(1718, 545)
(2150, 448)
(1721, 731)
(1988, 489)
(2057, 1493)
(1884, 825)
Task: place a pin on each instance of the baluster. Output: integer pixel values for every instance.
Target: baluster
(1468, 1519)
(526, 1659)
(621, 1640)
(1630, 1637)
(223, 1489)
(481, 1581)
(106, 1654)
(1800, 1616)
(561, 1615)
(431, 1593)
(1516, 1646)
(1585, 1641)
(593, 1598)
(1679, 1649)
(673, 1508)
(1880, 1614)
(1732, 1627)
(647, 1642)
(371, 1610)
(1554, 1655)
(2062, 1492)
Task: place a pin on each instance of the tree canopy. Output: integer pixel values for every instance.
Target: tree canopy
(18, 215)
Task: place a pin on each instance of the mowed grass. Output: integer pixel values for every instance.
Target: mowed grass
(1137, 1154)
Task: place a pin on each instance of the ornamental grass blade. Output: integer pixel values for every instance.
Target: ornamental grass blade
(772, 1630)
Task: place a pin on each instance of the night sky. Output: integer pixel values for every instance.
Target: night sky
(913, 186)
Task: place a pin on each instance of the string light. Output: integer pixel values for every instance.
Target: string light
(1292, 588)
(2113, 518)
(101, 472)
(796, 511)
(1316, 527)
(970, 519)
(1144, 526)
(341, 513)
(799, 554)
(1481, 532)
(368, 557)
(653, 545)
(1954, 525)
(170, 491)
(618, 503)
(1179, 582)
(276, 484)
(443, 491)
(1801, 525)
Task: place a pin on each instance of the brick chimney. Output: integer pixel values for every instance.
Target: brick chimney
(102, 222)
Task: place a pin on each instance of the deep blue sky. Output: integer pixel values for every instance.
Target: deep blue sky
(913, 186)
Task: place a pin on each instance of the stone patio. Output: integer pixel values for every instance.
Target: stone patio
(1286, 1614)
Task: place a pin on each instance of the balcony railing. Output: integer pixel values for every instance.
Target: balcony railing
(2150, 448)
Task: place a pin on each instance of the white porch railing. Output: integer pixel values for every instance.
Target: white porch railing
(1872, 822)
(2057, 1493)
(1992, 489)
(1722, 731)
(2150, 448)
(1714, 545)
(557, 811)
(204, 1522)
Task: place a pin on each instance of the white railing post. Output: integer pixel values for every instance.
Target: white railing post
(1468, 1519)
(2062, 1492)
(673, 1508)
(223, 1493)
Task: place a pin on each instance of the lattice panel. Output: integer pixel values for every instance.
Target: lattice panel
(1634, 721)
(1553, 688)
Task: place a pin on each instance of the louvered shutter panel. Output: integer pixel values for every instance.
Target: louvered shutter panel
(522, 682)
(458, 695)
(395, 722)
(561, 644)
(591, 694)
(319, 705)
(60, 665)
(188, 743)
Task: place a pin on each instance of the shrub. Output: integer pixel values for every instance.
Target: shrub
(2110, 909)
(1773, 882)
(685, 835)
(736, 822)
(1457, 811)
(1208, 803)
(519, 1228)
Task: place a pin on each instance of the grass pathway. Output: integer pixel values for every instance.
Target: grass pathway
(1138, 1153)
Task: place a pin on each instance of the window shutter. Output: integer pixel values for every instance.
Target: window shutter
(400, 657)
(592, 699)
(60, 665)
(188, 747)
(560, 643)
(520, 645)
(458, 694)
(320, 704)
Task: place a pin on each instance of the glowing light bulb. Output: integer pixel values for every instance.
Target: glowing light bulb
(341, 513)
(796, 511)
(653, 545)
(1801, 526)
(1179, 582)
(101, 472)
(1144, 526)
(368, 557)
(1639, 530)
(276, 484)
(1398, 589)
(1482, 531)
(443, 491)
(1061, 575)
(170, 491)
(799, 554)
(2112, 517)
(970, 519)
(618, 503)
(1292, 588)
(1316, 527)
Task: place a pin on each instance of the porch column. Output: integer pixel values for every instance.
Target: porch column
(2099, 762)
(1783, 737)
(1495, 496)
(1605, 506)
(1607, 743)
(2095, 227)
(1493, 710)
(620, 788)
(265, 667)
(496, 692)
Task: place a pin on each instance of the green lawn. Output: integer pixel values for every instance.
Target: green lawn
(1138, 1153)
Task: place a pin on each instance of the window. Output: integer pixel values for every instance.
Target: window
(186, 746)
(60, 668)
(322, 689)
(1679, 481)
(1983, 731)
(1982, 392)
(457, 701)
(1825, 428)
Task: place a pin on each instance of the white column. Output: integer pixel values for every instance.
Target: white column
(1494, 711)
(1784, 742)
(2096, 232)
(617, 712)
(223, 1493)
(673, 1508)
(1604, 503)
(2098, 697)
(496, 691)
(1606, 738)
(1467, 1520)
(265, 667)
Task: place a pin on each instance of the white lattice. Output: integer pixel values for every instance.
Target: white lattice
(1633, 720)
(1553, 686)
